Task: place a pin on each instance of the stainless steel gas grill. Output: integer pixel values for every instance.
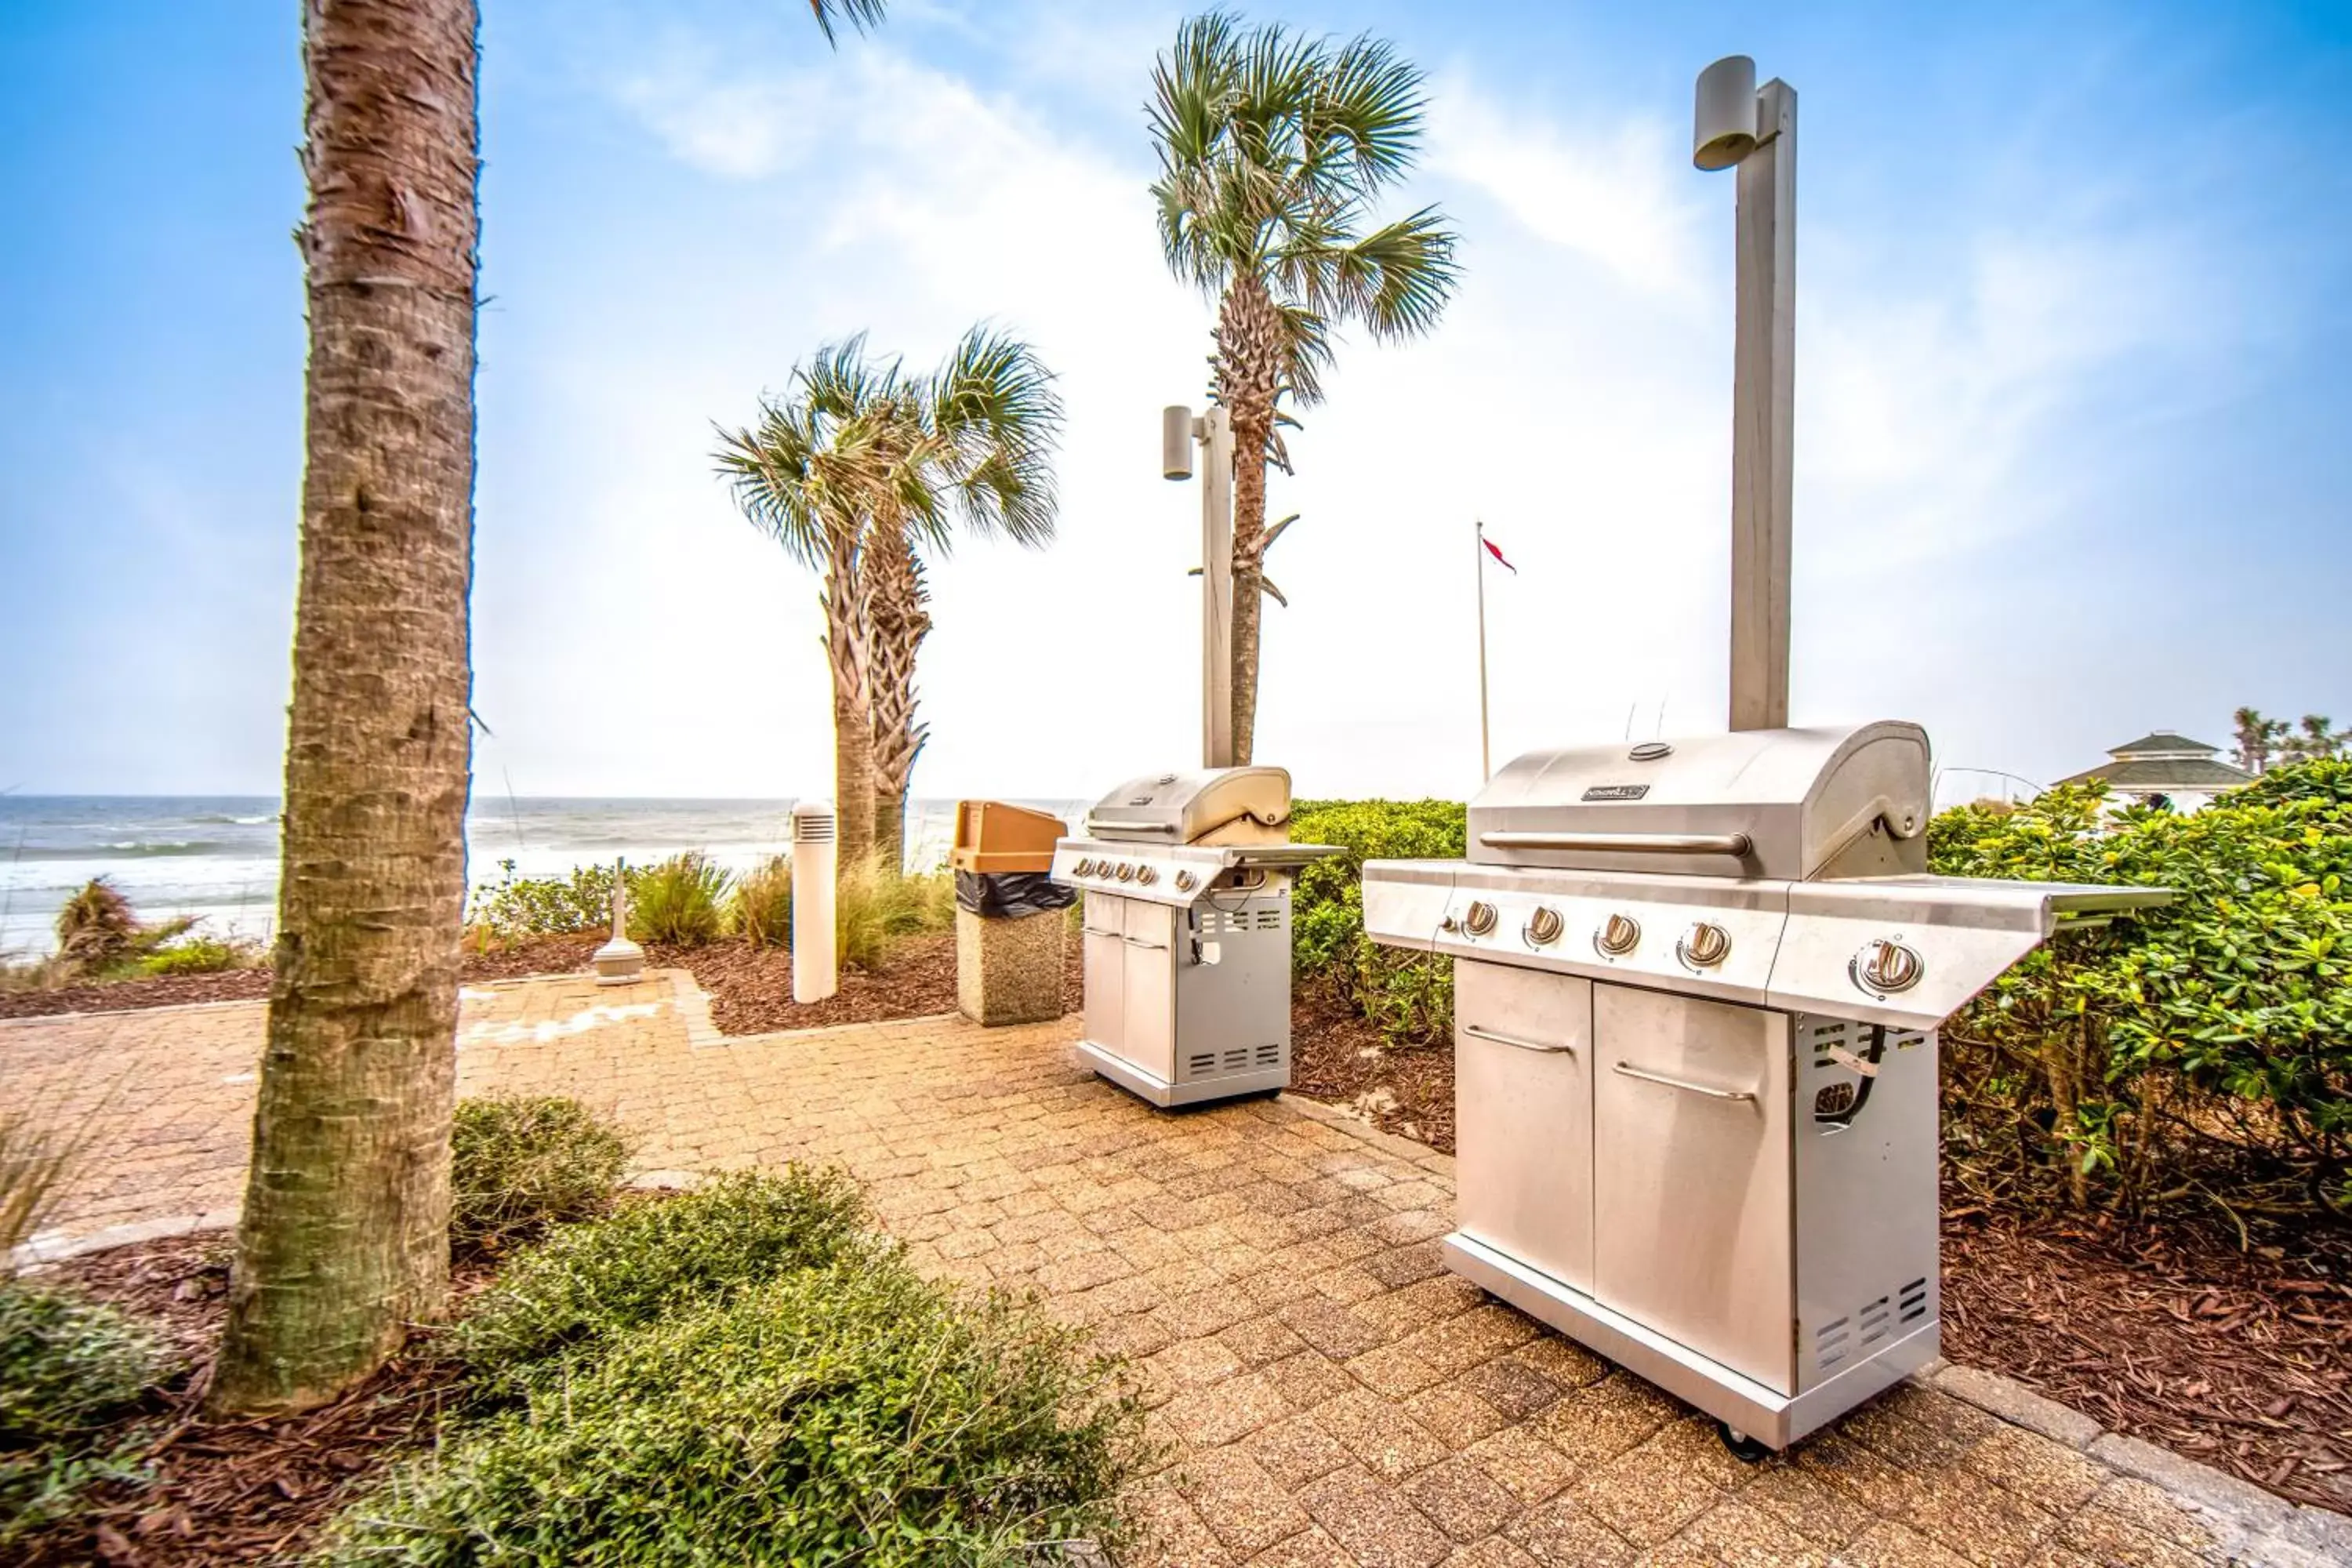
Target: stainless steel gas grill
(1696, 990)
(1187, 882)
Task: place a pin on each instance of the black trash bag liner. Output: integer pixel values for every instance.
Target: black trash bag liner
(1004, 894)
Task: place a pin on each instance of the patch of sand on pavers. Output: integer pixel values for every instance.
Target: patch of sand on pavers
(1329, 1395)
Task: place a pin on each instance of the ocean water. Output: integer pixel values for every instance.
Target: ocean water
(215, 857)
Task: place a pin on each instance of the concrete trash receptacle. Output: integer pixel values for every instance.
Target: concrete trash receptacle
(1010, 921)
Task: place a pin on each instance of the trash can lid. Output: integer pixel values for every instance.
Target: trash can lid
(993, 836)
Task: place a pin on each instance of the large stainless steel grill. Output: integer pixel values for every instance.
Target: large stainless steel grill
(1187, 882)
(1698, 986)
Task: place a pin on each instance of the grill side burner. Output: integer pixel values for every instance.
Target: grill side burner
(1696, 990)
(1187, 932)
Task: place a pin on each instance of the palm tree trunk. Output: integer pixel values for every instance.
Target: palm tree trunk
(899, 622)
(846, 633)
(344, 1240)
(1249, 367)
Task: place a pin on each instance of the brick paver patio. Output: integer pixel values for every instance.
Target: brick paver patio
(1331, 1396)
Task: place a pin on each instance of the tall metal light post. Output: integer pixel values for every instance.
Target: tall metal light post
(1739, 125)
(1178, 431)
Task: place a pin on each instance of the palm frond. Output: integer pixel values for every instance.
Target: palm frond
(862, 14)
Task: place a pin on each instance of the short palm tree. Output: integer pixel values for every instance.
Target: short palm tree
(1271, 149)
(858, 471)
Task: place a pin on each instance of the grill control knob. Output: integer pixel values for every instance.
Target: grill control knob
(1146, 876)
(1619, 937)
(1543, 927)
(1705, 945)
(1186, 881)
(1083, 869)
(1479, 917)
(1887, 965)
(1127, 872)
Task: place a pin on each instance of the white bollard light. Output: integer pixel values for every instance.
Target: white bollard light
(814, 864)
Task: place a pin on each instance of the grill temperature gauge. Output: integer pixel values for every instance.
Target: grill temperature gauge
(1621, 936)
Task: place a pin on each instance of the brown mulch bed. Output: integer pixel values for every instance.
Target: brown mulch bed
(1337, 1057)
(751, 988)
(2241, 1359)
(230, 1491)
(2234, 1352)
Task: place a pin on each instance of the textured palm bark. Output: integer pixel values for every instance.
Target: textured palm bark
(1249, 363)
(897, 623)
(344, 1237)
(844, 602)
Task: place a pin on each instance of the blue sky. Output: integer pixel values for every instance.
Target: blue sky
(2074, 314)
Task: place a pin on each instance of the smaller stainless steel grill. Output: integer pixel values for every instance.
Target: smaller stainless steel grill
(1696, 990)
(1187, 883)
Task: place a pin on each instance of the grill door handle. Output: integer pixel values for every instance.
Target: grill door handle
(1502, 1040)
(1629, 1070)
(1147, 946)
(1632, 843)
(1089, 930)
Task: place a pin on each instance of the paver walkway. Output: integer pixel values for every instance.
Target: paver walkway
(1331, 1396)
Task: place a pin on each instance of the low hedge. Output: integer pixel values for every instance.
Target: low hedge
(1410, 998)
(519, 1163)
(68, 1367)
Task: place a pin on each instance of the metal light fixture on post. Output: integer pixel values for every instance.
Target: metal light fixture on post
(815, 861)
(1736, 124)
(1178, 430)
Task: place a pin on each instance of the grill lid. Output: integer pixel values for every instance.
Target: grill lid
(1795, 804)
(1225, 806)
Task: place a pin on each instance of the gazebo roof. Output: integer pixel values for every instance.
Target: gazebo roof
(2163, 743)
(2162, 775)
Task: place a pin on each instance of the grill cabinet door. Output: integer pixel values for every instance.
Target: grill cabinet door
(1106, 964)
(1691, 1186)
(1151, 989)
(1523, 1115)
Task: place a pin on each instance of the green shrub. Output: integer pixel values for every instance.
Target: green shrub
(838, 1415)
(1409, 997)
(519, 907)
(2213, 1035)
(67, 1367)
(875, 905)
(591, 1283)
(201, 955)
(762, 913)
(99, 938)
(519, 1163)
(680, 902)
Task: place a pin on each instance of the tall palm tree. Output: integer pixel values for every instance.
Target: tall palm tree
(983, 434)
(345, 1238)
(857, 471)
(1273, 148)
(808, 475)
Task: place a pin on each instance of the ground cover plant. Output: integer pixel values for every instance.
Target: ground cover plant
(521, 1163)
(747, 1373)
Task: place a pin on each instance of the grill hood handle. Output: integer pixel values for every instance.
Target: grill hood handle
(1637, 843)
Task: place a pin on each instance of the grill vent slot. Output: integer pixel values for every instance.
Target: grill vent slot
(1830, 1345)
(1875, 1322)
(1202, 1063)
(1270, 1056)
(1268, 919)
(1913, 1303)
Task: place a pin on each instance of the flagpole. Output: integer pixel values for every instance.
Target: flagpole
(1486, 757)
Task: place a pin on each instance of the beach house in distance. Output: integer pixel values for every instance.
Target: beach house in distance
(2165, 769)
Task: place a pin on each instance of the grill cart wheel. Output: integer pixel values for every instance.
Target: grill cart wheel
(1740, 1445)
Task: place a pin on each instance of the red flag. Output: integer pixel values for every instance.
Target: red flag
(1497, 555)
